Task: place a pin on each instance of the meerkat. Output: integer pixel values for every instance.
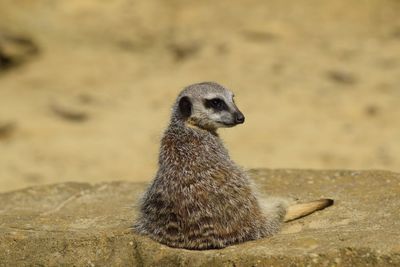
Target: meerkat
(199, 198)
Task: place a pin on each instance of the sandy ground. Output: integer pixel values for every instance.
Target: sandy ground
(319, 83)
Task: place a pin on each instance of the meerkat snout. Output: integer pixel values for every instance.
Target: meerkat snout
(239, 117)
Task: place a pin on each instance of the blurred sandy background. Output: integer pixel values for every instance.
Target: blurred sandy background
(86, 86)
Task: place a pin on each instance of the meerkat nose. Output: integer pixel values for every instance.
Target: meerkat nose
(239, 117)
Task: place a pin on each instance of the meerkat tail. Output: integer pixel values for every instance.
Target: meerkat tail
(297, 211)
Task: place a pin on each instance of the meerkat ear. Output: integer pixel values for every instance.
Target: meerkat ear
(185, 107)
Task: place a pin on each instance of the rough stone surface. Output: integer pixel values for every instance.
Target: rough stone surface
(78, 224)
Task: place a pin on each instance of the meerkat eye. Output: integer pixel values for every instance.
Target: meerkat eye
(216, 104)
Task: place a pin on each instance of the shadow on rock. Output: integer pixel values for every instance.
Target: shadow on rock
(15, 50)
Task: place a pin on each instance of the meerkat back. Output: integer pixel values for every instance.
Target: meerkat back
(199, 198)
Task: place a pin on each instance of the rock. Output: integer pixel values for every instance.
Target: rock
(89, 225)
(341, 77)
(15, 50)
(69, 113)
(181, 51)
(7, 129)
(73, 109)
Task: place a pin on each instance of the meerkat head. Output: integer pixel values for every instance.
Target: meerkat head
(208, 106)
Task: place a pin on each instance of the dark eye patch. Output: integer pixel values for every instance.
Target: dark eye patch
(216, 104)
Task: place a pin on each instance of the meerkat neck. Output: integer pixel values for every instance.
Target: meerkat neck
(192, 126)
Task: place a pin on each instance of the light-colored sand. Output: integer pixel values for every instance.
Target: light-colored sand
(319, 83)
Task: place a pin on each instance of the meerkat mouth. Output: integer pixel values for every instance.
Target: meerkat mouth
(227, 124)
